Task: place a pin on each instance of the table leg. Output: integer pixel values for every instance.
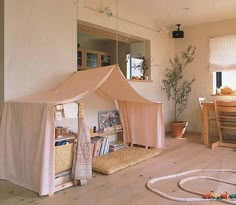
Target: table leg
(205, 133)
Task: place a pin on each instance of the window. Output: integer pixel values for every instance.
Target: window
(134, 67)
(223, 61)
(225, 78)
(101, 40)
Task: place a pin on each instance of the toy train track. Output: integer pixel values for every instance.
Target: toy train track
(211, 196)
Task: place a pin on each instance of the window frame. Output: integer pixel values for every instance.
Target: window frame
(218, 79)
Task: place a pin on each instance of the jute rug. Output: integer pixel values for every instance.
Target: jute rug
(115, 161)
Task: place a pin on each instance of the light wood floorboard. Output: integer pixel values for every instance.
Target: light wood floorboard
(128, 187)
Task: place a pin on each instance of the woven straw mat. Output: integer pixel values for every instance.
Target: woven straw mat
(120, 159)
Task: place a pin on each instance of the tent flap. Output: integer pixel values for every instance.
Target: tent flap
(143, 123)
(27, 149)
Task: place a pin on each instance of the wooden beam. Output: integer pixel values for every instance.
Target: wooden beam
(64, 185)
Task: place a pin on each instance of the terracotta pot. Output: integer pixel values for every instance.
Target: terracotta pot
(178, 129)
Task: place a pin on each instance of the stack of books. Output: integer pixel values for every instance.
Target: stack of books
(99, 146)
(114, 146)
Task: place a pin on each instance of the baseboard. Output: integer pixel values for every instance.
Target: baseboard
(193, 132)
(187, 132)
(167, 133)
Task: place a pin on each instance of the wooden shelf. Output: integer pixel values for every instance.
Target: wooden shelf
(62, 173)
(141, 81)
(65, 138)
(105, 133)
(91, 135)
(223, 94)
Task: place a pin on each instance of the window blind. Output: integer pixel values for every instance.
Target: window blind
(222, 53)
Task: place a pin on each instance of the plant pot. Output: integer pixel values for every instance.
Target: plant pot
(178, 129)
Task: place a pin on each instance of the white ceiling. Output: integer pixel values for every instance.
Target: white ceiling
(167, 13)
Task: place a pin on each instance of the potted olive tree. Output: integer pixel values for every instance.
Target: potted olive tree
(178, 89)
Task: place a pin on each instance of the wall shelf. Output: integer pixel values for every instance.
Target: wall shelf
(60, 174)
(141, 81)
(105, 133)
(65, 138)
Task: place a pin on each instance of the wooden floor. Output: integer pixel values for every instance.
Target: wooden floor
(128, 186)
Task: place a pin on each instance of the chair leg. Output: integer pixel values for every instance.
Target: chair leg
(215, 144)
(220, 134)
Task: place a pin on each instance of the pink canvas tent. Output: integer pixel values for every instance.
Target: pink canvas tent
(27, 124)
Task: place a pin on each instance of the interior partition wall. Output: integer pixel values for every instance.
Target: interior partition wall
(1, 50)
(39, 45)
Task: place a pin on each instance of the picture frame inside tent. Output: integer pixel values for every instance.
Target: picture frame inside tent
(108, 118)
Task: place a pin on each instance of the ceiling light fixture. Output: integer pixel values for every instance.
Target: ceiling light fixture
(178, 33)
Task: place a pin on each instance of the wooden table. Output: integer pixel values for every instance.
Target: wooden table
(206, 107)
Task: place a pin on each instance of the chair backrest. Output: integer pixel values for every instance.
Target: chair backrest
(225, 109)
(201, 100)
(225, 115)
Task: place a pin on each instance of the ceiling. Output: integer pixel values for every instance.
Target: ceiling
(160, 14)
(167, 13)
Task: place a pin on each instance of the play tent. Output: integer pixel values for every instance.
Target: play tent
(27, 124)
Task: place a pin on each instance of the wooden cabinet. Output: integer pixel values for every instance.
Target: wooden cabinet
(91, 60)
(105, 59)
(87, 59)
(79, 58)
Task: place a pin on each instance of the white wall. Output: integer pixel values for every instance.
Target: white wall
(40, 49)
(40, 45)
(92, 105)
(199, 36)
(1, 50)
(162, 46)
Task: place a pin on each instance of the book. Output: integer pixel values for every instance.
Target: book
(112, 149)
(114, 146)
(103, 143)
(97, 143)
(118, 143)
(97, 148)
(107, 146)
(92, 148)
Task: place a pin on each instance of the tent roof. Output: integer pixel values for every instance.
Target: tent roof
(108, 81)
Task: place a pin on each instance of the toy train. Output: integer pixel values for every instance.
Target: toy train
(213, 195)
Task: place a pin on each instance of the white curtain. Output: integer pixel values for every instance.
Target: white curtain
(222, 53)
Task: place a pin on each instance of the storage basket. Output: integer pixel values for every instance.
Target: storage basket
(63, 157)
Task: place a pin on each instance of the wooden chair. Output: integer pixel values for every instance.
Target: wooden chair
(226, 121)
(201, 100)
(211, 119)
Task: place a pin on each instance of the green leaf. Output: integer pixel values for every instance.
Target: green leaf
(176, 88)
